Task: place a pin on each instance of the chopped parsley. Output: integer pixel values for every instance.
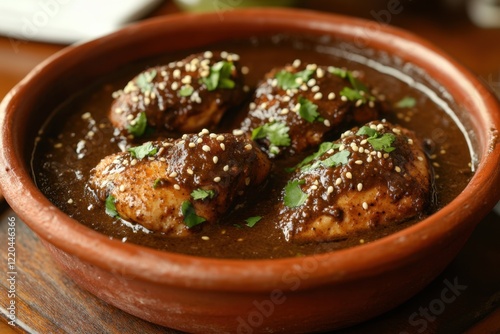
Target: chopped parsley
(186, 91)
(111, 207)
(288, 80)
(145, 81)
(220, 76)
(378, 141)
(190, 217)
(294, 196)
(308, 110)
(276, 133)
(251, 221)
(406, 102)
(201, 194)
(140, 152)
(137, 127)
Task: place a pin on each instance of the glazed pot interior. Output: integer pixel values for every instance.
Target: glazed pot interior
(31, 103)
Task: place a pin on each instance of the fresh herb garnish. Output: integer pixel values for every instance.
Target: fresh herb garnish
(337, 159)
(111, 207)
(288, 80)
(190, 217)
(379, 142)
(406, 102)
(276, 133)
(201, 194)
(251, 221)
(294, 196)
(323, 148)
(145, 81)
(137, 127)
(158, 182)
(220, 76)
(186, 91)
(308, 110)
(358, 92)
(146, 149)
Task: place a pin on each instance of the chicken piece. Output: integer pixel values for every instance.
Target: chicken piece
(184, 96)
(298, 106)
(373, 176)
(173, 185)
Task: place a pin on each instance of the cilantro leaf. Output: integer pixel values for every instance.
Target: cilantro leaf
(190, 217)
(383, 143)
(146, 149)
(366, 130)
(186, 91)
(201, 194)
(158, 182)
(220, 76)
(406, 102)
(288, 80)
(251, 221)
(351, 94)
(358, 91)
(145, 81)
(323, 148)
(110, 206)
(337, 159)
(340, 72)
(308, 110)
(294, 196)
(137, 126)
(276, 133)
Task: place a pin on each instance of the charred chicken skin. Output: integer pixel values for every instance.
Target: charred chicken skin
(373, 176)
(173, 185)
(296, 107)
(184, 96)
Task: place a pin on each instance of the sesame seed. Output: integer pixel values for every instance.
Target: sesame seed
(226, 168)
(224, 54)
(338, 181)
(361, 149)
(436, 176)
(248, 147)
(286, 98)
(359, 186)
(364, 141)
(443, 151)
(173, 174)
(320, 72)
(318, 96)
(245, 70)
(174, 85)
(296, 63)
(247, 181)
(380, 126)
(147, 101)
(237, 132)
(296, 108)
(311, 82)
(133, 162)
(315, 89)
(397, 169)
(204, 132)
(176, 74)
(208, 54)
(369, 159)
(329, 190)
(177, 187)
(341, 147)
(386, 155)
(215, 159)
(410, 141)
(396, 131)
(205, 237)
(222, 146)
(87, 115)
(186, 80)
(220, 138)
(206, 148)
(358, 162)
(358, 103)
(331, 96)
(365, 205)
(312, 67)
(70, 201)
(343, 98)
(326, 122)
(379, 155)
(373, 126)
(190, 171)
(348, 175)
(371, 104)
(199, 140)
(284, 111)
(212, 135)
(122, 188)
(58, 145)
(217, 179)
(191, 144)
(435, 164)
(314, 187)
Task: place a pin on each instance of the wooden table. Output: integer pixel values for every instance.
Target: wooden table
(49, 302)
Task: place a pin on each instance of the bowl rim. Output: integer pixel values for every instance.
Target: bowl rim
(193, 272)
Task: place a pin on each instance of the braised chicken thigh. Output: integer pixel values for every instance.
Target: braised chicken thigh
(184, 96)
(372, 176)
(296, 107)
(173, 185)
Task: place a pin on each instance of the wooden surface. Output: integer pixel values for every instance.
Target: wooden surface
(49, 302)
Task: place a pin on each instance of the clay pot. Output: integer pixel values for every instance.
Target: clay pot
(195, 294)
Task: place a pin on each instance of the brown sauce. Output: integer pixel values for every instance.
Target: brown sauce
(79, 135)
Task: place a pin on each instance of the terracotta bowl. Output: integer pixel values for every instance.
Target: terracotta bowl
(196, 294)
